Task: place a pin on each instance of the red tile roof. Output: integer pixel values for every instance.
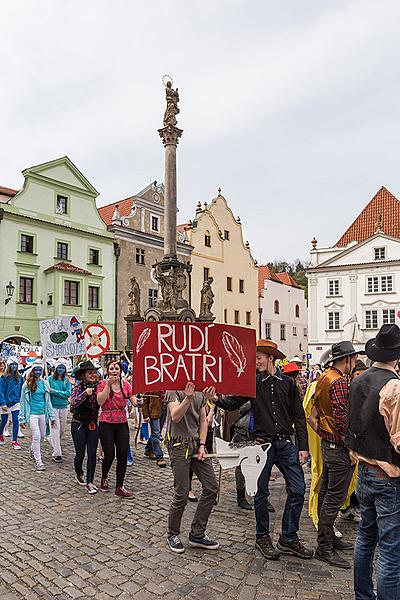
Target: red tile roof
(264, 272)
(63, 266)
(5, 191)
(287, 279)
(383, 206)
(106, 212)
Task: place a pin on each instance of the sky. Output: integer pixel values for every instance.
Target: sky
(291, 107)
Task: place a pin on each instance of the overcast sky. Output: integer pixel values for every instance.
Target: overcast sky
(292, 107)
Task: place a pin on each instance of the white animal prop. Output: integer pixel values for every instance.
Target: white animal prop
(251, 460)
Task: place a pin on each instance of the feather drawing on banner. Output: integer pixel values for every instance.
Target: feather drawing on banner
(234, 351)
(143, 337)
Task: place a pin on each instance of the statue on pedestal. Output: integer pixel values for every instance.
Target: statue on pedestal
(167, 281)
(172, 97)
(134, 298)
(207, 299)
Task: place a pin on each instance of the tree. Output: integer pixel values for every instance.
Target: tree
(297, 270)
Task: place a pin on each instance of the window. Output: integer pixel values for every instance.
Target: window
(225, 315)
(241, 286)
(300, 347)
(333, 287)
(267, 331)
(62, 204)
(295, 331)
(383, 283)
(237, 320)
(388, 316)
(27, 243)
(94, 256)
(229, 284)
(333, 320)
(248, 317)
(276, 307)
(153, 295)
(305, 332)
(379, 253)
(94, 297)
(62, 250)
(206, 273)
(226, 234)
(71, 293)
(207, 239)
(155, 223)
(139, 256)
(371, 319)
(26, 290)
(297, 310)
(283, 331)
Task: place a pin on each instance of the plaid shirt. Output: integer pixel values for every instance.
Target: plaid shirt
(303, 381)
(339, 393)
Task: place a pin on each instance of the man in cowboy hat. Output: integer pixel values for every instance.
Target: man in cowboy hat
(330, 404)
(276, 414)
(373, 436)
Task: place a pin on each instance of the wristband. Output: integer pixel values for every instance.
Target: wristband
(202, 445)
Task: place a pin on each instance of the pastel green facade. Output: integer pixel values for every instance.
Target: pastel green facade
(33, 212)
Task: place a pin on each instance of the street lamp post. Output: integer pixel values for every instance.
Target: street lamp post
(10, 292)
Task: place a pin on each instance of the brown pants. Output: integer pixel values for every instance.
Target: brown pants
(181, 465)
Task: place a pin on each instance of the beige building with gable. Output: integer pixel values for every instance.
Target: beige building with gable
(220, 252)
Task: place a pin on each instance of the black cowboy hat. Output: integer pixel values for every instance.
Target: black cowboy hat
(385, 347)
(341, 350)
(80, 369)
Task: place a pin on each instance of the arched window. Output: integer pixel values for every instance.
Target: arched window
(276, 307)
(297, 310)
(207, 239)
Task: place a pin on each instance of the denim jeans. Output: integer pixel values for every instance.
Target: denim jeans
(380, 525)
(286, 457)
(154, 444)
(15, 423)
(85, 440)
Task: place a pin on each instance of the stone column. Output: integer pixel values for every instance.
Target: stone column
(313, 308)
(170, 136)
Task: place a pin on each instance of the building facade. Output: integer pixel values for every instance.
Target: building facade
(137, 223)
(354, 286)
(55, 251)
(283, 312)
(220, 252)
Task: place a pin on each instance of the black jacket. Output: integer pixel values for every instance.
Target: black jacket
(277, 408)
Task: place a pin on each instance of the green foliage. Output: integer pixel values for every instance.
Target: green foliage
(297, 270)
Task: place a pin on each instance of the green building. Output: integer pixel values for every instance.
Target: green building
(56, 255)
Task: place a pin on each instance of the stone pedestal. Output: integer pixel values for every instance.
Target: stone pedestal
(130, 321)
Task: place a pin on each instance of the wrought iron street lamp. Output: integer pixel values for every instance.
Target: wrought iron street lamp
(10, 292)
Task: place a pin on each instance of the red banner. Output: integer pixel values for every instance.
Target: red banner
(166, 355)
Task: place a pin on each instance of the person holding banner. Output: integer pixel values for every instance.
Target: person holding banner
(84, 428)
(10, 393)
(186, 433)
(36, 409)
(60, 390)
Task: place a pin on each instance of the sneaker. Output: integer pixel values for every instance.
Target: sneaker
(270, 508)
(31, 455)
(104, 485)
(331, 557)
(175, 544)
(341, 544)
(40, 467)
(142, 441)
(129, 462)
(2, 440)
(100, 458)
(6, 433)
(121, 492)
(162, 463)
(20, 434)
(296, 548)
(265, 546)
(338, 533)
(91, 489)
(57, 459)
(79, 479)
(203, 542)
(351, 514)
(192, 497)
(149, 454)
(16, 446)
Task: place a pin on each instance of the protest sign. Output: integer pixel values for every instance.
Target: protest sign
(62, 337)
(166, 355)
(97, 340)
(21, 351)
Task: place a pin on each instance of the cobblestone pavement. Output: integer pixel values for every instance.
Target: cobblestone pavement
(59, 542)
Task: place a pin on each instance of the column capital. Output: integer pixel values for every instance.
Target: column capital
(353, 277)
(170, 135)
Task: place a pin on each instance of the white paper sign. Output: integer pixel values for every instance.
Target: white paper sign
(62, 337)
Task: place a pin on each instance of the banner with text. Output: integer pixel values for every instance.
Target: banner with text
(62, 337)
(166, 355)
(24, 352)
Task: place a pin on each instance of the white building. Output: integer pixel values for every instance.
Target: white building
(354, 286)
(283, 312)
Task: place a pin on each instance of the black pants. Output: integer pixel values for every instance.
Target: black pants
(337, 472)
(84, 439)
(114, 437)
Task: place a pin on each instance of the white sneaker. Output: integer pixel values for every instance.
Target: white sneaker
(91, 489)
(40, 467)
(6, 433)
(20, 434)
(337, 533)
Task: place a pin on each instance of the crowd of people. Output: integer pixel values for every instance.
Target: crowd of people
(342, 419)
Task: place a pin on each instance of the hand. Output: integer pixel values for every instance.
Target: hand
(112, 379)
(189, 390)
(210, 418)
(303, 457)
(353, 459)
(201, 453)
(52, 424)
(89, 391)
(209, 393)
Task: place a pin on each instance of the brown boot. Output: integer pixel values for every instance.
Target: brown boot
(265, 546)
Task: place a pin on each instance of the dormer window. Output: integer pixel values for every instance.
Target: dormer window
(155, 223)
(62, 205)
(380, 253)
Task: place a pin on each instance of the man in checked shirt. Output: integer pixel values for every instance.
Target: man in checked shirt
(331, 399)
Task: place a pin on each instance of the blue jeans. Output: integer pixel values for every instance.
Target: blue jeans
(380, 524)
(85, 440)
(15, 423)
(154, 444)
(286, 457)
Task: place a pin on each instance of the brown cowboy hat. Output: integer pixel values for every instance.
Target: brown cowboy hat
(269, 347)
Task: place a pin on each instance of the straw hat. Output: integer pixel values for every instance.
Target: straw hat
(269, 347)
